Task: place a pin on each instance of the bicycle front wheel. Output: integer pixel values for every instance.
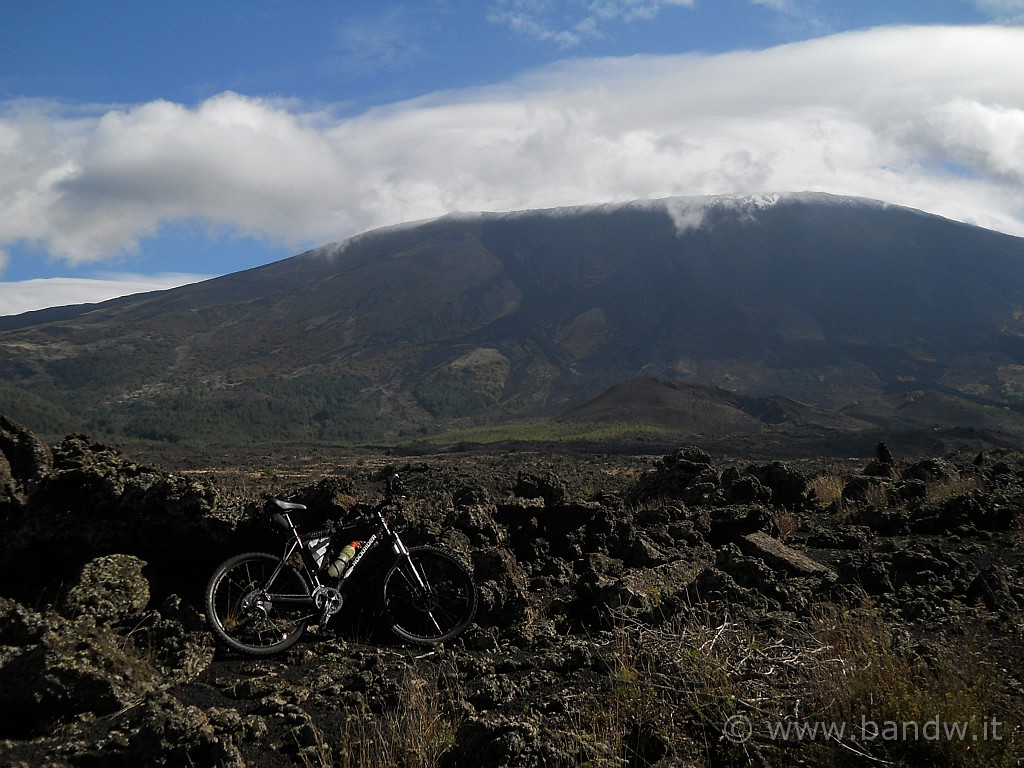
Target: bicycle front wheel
(258, 605)
(430, 596)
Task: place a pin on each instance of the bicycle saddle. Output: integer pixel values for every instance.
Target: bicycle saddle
(289, 504)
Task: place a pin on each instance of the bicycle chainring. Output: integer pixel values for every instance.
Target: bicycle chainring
(329, 600)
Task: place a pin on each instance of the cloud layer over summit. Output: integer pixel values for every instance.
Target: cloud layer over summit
(930, 117)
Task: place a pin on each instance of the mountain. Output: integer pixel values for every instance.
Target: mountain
(703, 410)
(836, 303)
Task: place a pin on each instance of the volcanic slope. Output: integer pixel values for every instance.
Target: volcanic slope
(702, 410)
(829, 301)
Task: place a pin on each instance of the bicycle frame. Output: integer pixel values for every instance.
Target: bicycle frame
(323, 596)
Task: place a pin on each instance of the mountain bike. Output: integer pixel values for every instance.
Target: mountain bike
(261, 604)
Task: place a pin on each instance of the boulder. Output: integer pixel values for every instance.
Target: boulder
(24, 458)
(742, 488)
(97, 503)
(725, 598)
(499, 741)
(503, 587)
(175, 640)
(164, 731)
(783, 558)
(111, 589)
(687, 475)
(735, 521)
(53, 668)
(546, 485)
(24, 461)
(992, 587)
(787, 485)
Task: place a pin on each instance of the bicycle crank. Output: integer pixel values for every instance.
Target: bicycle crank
(329, 600)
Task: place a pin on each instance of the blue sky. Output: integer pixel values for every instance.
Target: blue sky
(143, 145)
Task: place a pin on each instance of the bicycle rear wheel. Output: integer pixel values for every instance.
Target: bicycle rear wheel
(430, 596)
(258, 605)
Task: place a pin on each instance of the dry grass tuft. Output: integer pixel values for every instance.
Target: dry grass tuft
(900, 704)
(827, 488)
(413, 734)
(937, 491)
(844, 688)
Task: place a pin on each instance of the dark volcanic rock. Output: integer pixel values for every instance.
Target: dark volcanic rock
(24, 461)
(620, 620)
(779, 556)
(111, 589)
(504, 593)
(689, 475)
(24, 458)
(96, 502)
(54, 668)
(788, 486)
(732, 522)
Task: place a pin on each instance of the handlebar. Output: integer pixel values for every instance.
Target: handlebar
(394, 488)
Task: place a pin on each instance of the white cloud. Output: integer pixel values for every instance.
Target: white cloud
(1007, 11)
(930, 117)
(383, 41)
(986, 137)
(90, 190)
(570, 23)
(783, 6)
(28, 295)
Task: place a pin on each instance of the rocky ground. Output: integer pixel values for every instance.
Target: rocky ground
(677, 609)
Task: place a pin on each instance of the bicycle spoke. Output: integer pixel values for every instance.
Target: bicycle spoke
(441, 608)
(245, 608)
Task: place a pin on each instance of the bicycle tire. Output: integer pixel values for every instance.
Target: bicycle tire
(441, 612)
(240, 608)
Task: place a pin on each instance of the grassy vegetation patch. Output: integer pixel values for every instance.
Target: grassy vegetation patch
(316, 407)
(547, 430)
(47, 419)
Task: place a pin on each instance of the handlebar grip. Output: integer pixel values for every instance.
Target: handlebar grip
(394, 487)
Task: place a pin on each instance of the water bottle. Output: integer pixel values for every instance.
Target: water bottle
(338, 566)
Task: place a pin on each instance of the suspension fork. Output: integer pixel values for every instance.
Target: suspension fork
(403, 553)
(420, 581)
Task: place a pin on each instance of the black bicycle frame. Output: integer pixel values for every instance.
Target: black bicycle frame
(298, 541)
